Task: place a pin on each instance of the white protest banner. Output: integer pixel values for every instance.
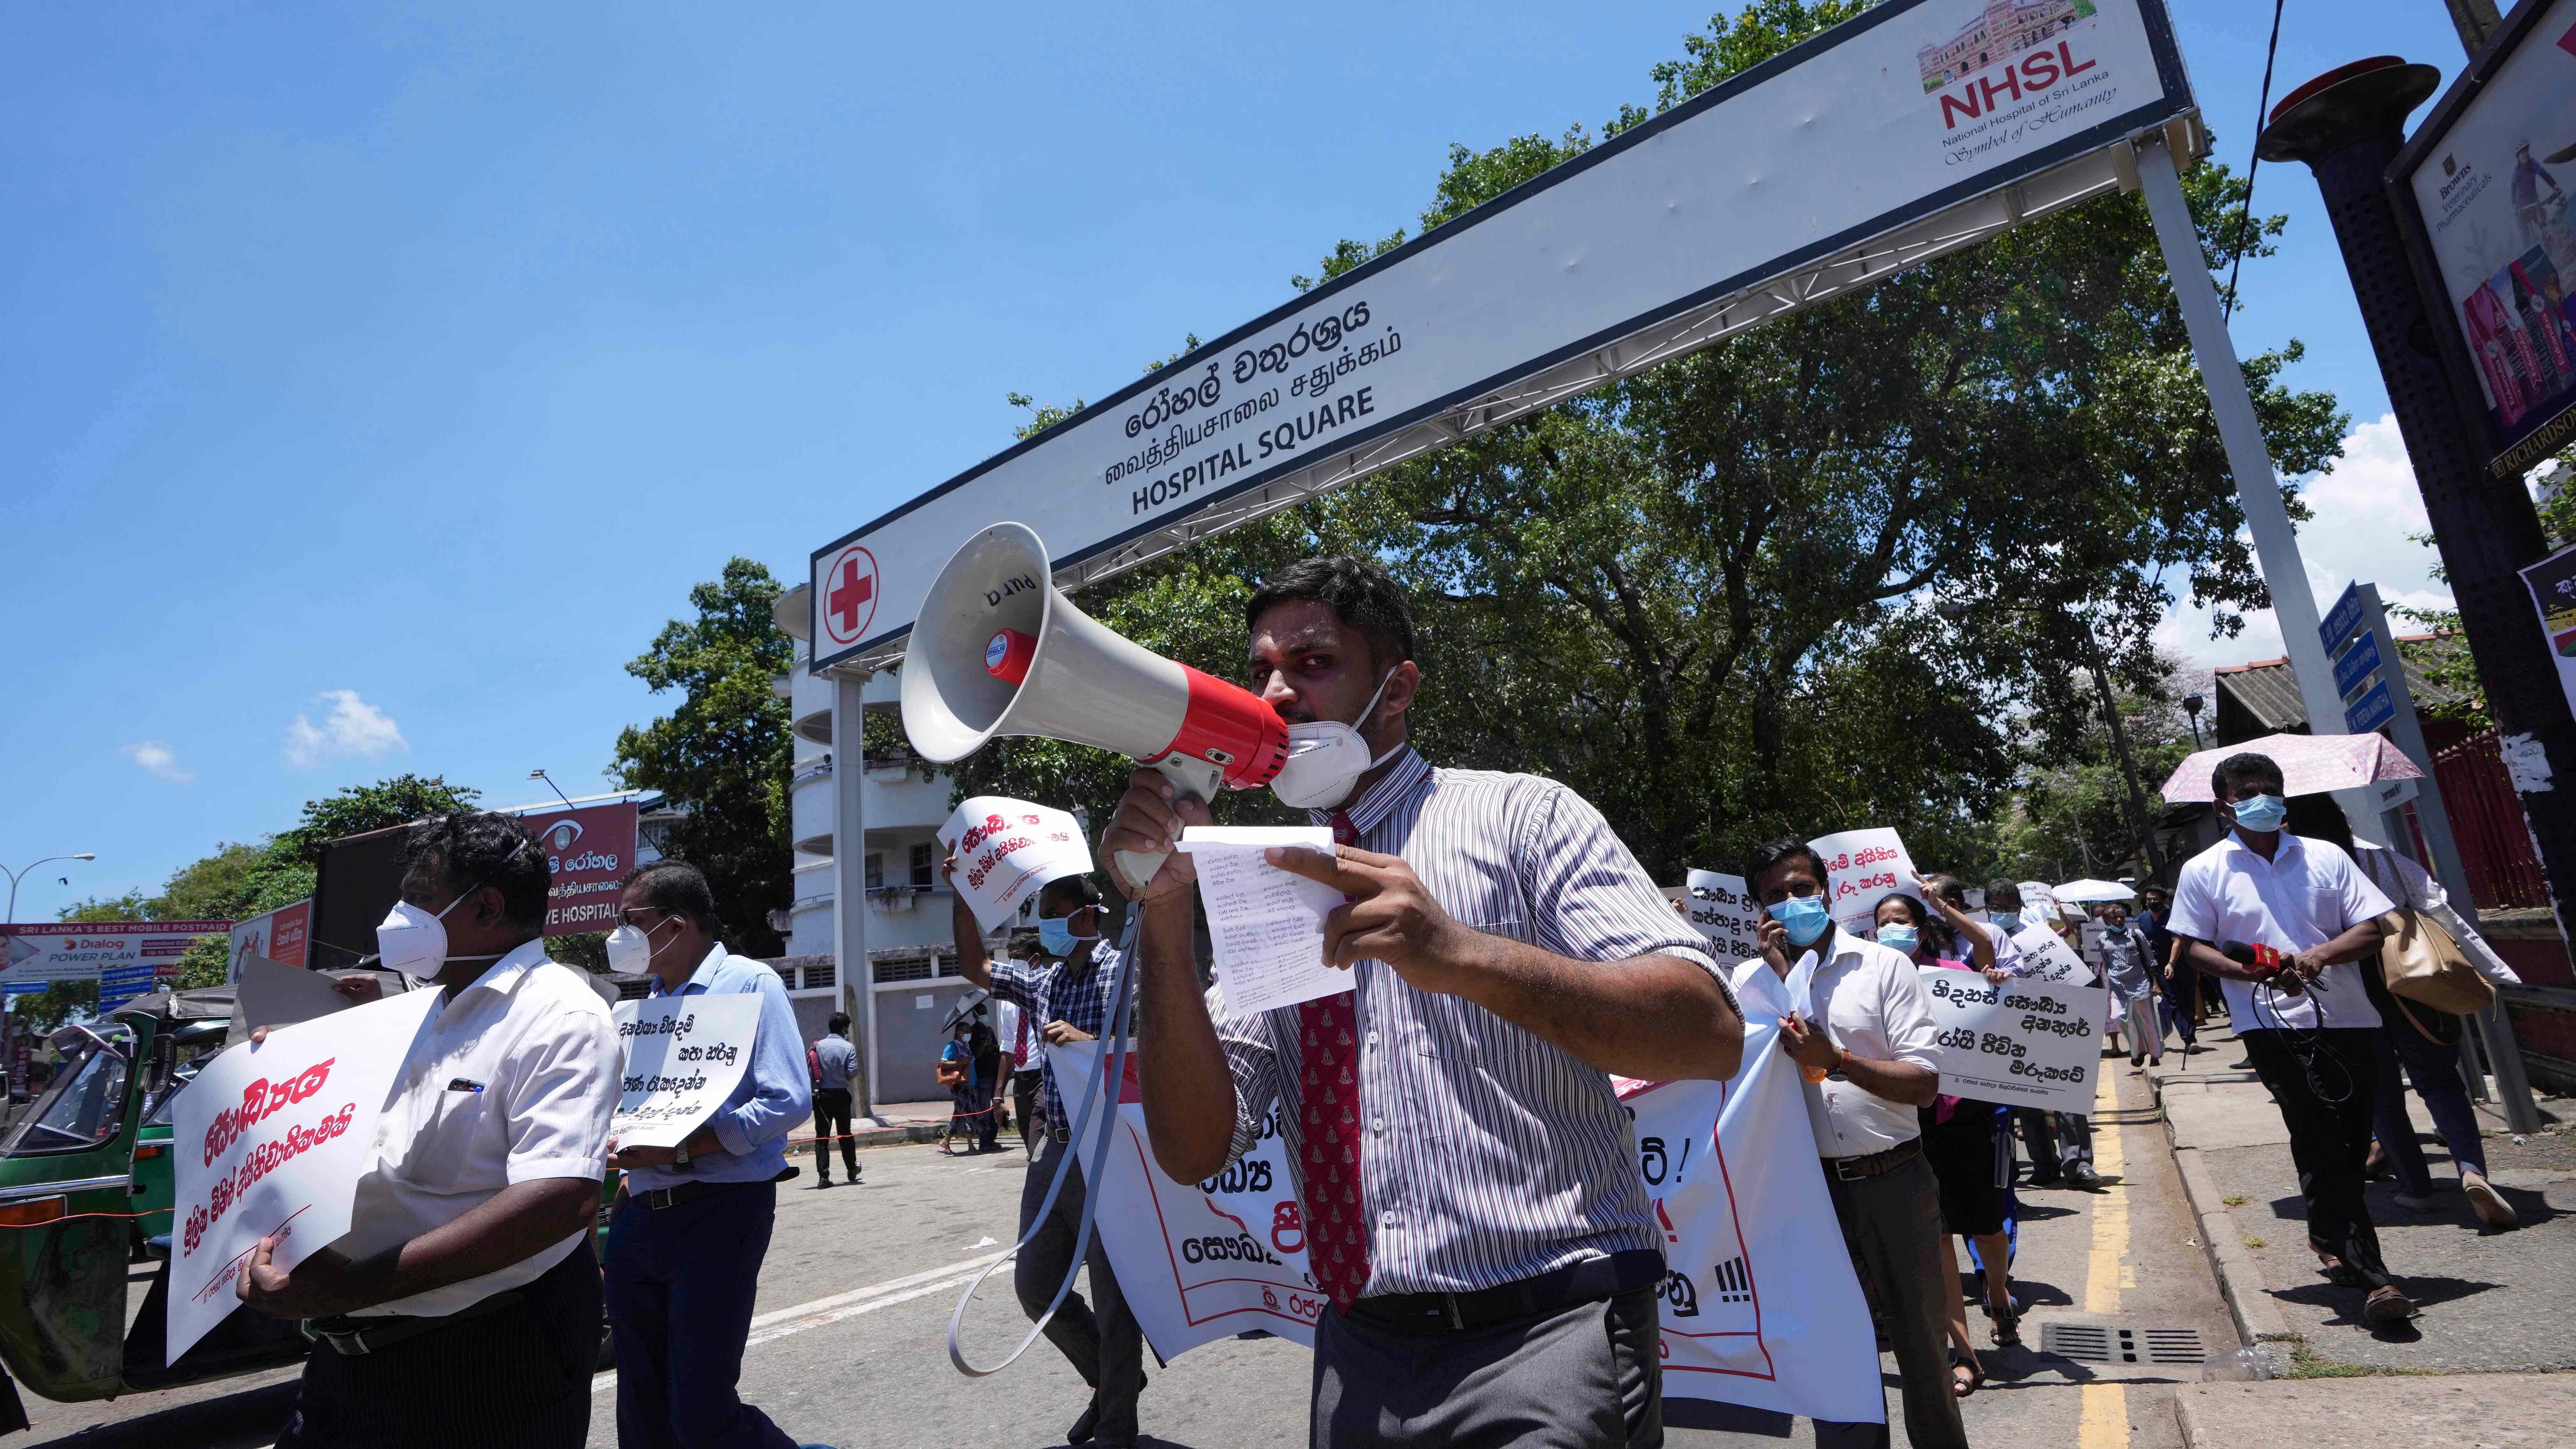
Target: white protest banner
(1198, 1262)
(1861, 867)
(271, 1140)
(1760, 1307)
(683, 1056)
(1722, 907)
(2021, 1042)
(1006, 849)
(2045, 956)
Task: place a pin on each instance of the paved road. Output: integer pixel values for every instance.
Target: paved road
(859, 1284)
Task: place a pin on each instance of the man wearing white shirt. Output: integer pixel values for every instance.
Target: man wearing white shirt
(2280, 920)
(463, 1305)
(1863, 1039)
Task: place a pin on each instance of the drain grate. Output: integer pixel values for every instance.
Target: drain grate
(2122, 1343)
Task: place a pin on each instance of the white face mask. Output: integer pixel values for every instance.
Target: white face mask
(630, 951)
(414, 942)
(1326, 758)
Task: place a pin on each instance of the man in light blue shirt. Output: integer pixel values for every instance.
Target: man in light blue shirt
(692, 1223)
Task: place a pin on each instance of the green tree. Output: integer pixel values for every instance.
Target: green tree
(723, 755)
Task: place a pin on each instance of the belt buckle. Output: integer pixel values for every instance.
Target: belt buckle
(1843, 1168)
(1449, 1308)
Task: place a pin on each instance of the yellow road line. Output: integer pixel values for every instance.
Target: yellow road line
(2106, 1406)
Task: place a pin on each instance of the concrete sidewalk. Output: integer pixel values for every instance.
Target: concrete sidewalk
(2494, 1300)
(2533, 1409)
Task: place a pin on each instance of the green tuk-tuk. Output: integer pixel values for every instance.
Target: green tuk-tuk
(87, 1182)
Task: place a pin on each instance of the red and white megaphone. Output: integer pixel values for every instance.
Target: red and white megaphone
(997, 650)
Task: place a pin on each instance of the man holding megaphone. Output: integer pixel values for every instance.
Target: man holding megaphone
(1473, 1208)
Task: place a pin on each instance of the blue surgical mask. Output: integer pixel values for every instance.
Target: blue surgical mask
(2262, 813)
(2008, 921)
(1899, 938)
(1056, 937)
(1805, 917)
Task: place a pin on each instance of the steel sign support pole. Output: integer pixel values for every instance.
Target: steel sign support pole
(2258, 488)
(850, 876)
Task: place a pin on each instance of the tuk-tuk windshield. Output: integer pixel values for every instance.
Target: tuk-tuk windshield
(83, 1108)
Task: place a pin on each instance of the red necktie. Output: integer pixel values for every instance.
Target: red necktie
(1329, 1149)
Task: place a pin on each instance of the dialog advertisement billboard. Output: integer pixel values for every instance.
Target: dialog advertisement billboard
(40, 955)
(1657, 242)
(2492, 175)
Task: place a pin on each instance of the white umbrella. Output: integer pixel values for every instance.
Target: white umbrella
(2310, 764)
(2089, 892)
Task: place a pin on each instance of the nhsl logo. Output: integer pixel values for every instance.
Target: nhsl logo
(1981, 57)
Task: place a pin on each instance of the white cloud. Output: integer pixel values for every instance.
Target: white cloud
(156, 759)
(353, 728)
(2364, 508)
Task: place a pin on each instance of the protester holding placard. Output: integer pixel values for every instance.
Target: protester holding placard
(1971, 942)
(1068, 993)
(2280, 921)
(1862, 1033)
(1961, 1138)
(692, 1222)
(1473, 1209)
(2060, 1143)
(463, 1305)
(2122, 950)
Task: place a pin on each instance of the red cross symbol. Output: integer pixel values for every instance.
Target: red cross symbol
(852, 600)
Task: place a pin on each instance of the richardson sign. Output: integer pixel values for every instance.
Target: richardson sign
(1887, 140)
(40, 955)
(589, 850)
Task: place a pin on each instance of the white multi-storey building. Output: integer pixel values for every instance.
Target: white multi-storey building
(912, 967)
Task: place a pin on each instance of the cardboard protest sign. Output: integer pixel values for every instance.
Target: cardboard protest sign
(684, 1055)
(1861, 867)
(1760, 1306)
(1722, 907)
(2022, 1042)
(271, 1141)
(1006, 849)
(2046, 957)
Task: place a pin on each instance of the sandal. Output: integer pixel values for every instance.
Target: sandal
(2007, 1325)
(2339, 1272)
(1960, 1388)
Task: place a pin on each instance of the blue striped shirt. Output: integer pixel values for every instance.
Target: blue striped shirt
(1491, 1155)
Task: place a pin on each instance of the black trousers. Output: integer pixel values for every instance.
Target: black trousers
(1585, 1377)
(518, 1378)
(1104, 1345)
(2327, 1085)
(832, 1119)
(1025, 1109)
(1892, 1225)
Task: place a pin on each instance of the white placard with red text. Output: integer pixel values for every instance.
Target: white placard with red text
(1007, 850)
(270, 1141)
(1760, 1307)
(1861, 868)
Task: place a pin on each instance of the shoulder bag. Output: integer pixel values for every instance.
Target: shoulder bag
(2422, 963)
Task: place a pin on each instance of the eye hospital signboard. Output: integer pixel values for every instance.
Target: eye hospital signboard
(1915, 128)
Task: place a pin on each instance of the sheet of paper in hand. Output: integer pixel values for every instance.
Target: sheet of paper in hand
(1722, 908)
(684, 1054)
(1006, 849)
(1861, 867)
(2045, 956)
(271, 1140)
(1267, 924)
(2022, 1042)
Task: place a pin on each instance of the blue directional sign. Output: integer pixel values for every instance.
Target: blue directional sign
(2357, 664)
(2371, 710)
(121, 984)
(2342, 619)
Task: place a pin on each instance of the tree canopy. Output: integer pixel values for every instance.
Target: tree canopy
(723, 754)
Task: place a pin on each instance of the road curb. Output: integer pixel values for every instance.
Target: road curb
(2240, 1278)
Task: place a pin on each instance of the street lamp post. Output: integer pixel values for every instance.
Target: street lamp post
(8, 1028)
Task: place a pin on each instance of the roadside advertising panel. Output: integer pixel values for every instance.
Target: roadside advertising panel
(2552, 582)
(278, 936)
(2490, 182)
(1655, 243)
(589, 850)
(42, 954)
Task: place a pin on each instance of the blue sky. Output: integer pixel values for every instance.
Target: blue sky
(378, 384)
